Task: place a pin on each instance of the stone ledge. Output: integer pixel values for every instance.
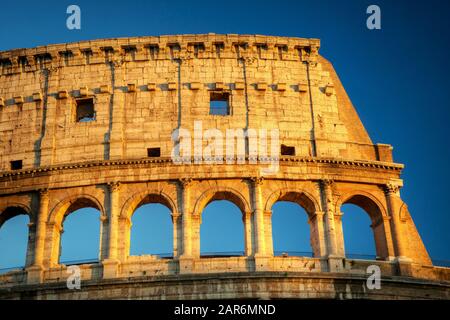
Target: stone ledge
(354, 163)
(236, 285)
(156, 48)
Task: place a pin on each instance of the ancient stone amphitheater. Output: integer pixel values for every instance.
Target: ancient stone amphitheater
(136, 92)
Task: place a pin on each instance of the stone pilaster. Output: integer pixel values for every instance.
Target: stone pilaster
(258, 213)
(392, 192)
(247, 220)
(110, 265)
(339, 233)
(186, 259)
(35, 272)
(125, 225)
(327, 196)
(260, 254)
(103, 247)
(268, 232)
(176, 221)
(383, 238)
(318, 234)
(390, 252)
(31, 244)
(113, 216)
(186, 216)
(41, 227)
(335, 260)
(53, 241)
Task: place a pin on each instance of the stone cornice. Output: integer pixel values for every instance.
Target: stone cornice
(167, 160)
(158, 48)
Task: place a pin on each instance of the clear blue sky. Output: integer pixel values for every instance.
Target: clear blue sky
(397, 78)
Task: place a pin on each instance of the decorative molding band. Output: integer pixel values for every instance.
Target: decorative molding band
(168, 160)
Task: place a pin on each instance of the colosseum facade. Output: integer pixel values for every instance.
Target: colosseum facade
(136, 92)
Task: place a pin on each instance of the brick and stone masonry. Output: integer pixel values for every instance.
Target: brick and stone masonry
(136, 92)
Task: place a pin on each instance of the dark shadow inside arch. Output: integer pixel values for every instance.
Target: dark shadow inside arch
(80, 240)
(290, 230)
(13, 238)
(10, 213)
(229, 197)
(299, 198)
(360, 214)
(156, 199)
(152, 230)
(367, 204)
(221, 230)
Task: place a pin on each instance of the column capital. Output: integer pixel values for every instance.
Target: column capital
(338, 213)
(268, 213)
(103, 218)
(248, 213)
(327, 183)
(391, 188)
(185, 182)
(127, 220)
(113, 186)
(257, 180)
(43, 192)
(56, 226)
(315, 215)
(175, 216)
(318, 213)
(246, 216)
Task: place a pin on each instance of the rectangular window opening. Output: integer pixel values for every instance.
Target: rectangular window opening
(16, 164)
(153, 152)
(85, 110)
(219, 47)
(219, 103)
(198, 47)
(287, 150)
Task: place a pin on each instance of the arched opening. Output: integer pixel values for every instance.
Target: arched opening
(222, 230)
(362, 229)
(81, 230)
(294, 228)
(152, 231)
(358, 236)
(13, 238)
(290, 230)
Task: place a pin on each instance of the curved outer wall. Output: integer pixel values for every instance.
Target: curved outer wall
(143, 89)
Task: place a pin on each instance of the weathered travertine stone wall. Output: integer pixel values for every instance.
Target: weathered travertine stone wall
(143, 89)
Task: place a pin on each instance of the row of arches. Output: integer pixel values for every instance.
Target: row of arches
(222, 230)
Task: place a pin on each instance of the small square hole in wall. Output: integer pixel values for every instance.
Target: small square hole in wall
(287, 150)
(16, 164)
(153, 152)
(85, 110)
(219, 103)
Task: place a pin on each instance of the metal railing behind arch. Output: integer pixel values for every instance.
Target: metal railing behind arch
(360, 256)
(222, 254)
(307, 254)
(79, 262)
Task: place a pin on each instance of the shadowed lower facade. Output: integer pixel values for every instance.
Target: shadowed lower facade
(91, 124)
